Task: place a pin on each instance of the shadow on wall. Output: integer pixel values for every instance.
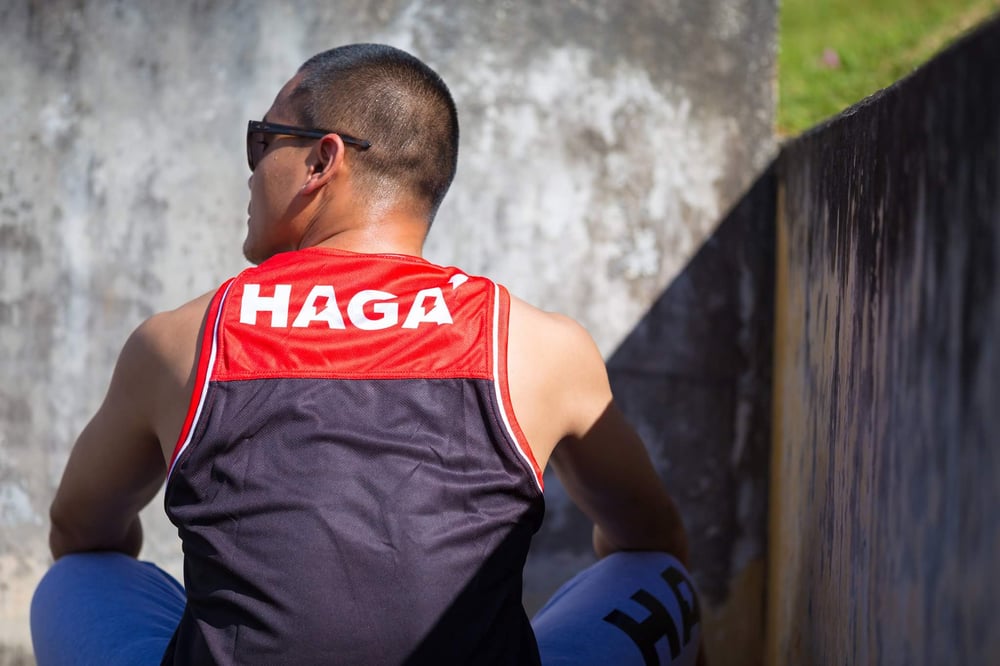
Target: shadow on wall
(694, 377)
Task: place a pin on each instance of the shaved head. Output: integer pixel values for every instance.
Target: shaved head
(395, 101)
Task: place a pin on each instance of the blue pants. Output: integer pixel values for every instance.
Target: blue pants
(104, 609)
(109, 609)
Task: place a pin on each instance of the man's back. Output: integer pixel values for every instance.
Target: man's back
(348, 464)
(351, 453)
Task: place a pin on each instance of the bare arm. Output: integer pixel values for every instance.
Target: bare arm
(608, 474)
(115, 467)
(561, 394)
(118, 462)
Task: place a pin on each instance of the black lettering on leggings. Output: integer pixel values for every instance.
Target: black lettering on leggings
(645, 634)
(690, 613)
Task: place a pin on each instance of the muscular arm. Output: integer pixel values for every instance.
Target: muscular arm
(561, 394)
(115, 467)
(118, 462)
(608, 474)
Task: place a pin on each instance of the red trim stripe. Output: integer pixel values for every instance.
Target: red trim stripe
(205, 359)
(501, 311)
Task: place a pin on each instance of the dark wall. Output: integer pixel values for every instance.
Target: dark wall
(887, 377)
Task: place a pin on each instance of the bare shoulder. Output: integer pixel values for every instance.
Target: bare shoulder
(166, 330)
(160, 358)
(547, 326)
(559, 384)
(167, 338)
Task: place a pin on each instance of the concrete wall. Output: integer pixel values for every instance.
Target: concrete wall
(602, 142)
(885, 532)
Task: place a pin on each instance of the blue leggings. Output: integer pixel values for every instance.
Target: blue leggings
(109, 609)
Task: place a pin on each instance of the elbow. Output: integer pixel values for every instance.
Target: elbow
(60, 536)
(672, 537)
(675, 544)
(661, 535)
(67, 535)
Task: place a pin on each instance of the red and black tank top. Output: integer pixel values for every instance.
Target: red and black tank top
(351, 485)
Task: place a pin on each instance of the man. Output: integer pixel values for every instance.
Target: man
(353, 439)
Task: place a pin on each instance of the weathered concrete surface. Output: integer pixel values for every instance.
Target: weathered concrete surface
(601, 144)
(885, 531)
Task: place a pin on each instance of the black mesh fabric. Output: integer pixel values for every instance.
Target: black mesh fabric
(331, 521)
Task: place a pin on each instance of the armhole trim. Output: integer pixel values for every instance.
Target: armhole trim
(206, 363)
(501, 316)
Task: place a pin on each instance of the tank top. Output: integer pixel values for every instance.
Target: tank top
(350, 484)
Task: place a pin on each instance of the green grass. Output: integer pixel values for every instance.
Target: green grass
(869, 45)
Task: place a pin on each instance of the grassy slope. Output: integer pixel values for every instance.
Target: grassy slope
(870, 43)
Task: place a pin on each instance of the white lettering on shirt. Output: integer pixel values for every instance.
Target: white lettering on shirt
(438, 314)
(368, 310)
(277, 305)
(389, 311)
(330, 314)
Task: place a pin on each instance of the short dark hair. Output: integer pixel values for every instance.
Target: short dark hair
(395, 101)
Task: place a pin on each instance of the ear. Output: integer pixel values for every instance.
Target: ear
(327, 161)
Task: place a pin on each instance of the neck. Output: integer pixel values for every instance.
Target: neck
(386, 233)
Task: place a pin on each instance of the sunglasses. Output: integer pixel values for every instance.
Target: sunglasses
(256, 129)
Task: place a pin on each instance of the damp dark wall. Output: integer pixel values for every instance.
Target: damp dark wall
(885, 477)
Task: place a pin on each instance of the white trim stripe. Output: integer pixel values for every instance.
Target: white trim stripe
(496, 387)
(205, 382)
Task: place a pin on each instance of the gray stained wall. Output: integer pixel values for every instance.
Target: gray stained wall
(602, 142)
(887, 376)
